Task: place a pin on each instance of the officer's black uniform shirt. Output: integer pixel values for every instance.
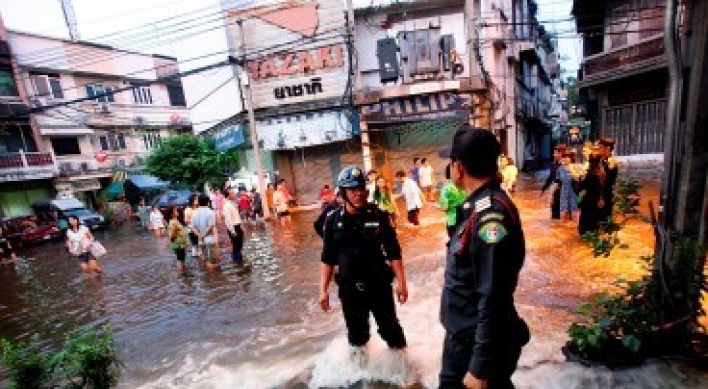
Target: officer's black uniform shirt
(359, 244)
(481, 274)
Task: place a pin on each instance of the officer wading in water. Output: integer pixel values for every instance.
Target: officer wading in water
(484, 333)
(362, 254)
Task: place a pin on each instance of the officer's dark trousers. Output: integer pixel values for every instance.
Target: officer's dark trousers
(377, 298)
(236, 244)
(555, 205)
(457, 353)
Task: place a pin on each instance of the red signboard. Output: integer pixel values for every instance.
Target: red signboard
(101, 156)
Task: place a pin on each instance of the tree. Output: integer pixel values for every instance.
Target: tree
(571, 85)
(187, 160)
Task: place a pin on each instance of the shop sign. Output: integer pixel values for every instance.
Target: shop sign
(85, 185)
(419, 108)
(294, 53)
(229, 138)
(306, 129)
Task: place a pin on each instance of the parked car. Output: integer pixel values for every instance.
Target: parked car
(61, 209)
(172, 198)
(27, 230)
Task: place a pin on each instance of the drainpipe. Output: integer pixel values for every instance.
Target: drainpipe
(671, 138)
(667, 205)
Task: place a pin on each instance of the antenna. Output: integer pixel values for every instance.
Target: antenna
(70, 19)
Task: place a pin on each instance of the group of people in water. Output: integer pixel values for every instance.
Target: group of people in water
(585, 187)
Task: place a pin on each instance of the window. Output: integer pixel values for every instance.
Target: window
(176, 94)
(47, 85)
(7, 82)
(142, 95)
(98, 90)
(152, 139)
(112, 142)
(66, 146)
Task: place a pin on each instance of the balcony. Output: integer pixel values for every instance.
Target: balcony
(132, 115)
(27, 166)
(645, 55)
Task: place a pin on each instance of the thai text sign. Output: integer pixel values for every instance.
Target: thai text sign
(295, 51)
(229, 138)
(418, 108)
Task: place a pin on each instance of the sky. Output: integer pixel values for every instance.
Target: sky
(151, 33)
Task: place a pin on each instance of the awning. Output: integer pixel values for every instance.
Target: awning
(115, 190)
(65, 131)
(147, 182)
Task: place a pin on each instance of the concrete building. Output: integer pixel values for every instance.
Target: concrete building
(623, 78)
(418, 70)
(91, 140)
(26, 168)
(503, 77)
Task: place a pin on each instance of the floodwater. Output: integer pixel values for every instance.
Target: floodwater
(261, 328)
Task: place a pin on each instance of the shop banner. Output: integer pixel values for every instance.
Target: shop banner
(419, 108)
(306, 129)
(229, 138)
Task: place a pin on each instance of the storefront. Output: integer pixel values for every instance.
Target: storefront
(310, 148)
(16, 198)
(414, 126)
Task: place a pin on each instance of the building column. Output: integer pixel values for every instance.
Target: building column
(365, 146)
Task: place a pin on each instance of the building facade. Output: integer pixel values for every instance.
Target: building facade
(26, 167)
(109, 131)
(623, 78)
(417, 70)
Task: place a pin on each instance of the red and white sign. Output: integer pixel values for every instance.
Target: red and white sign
(101, 156)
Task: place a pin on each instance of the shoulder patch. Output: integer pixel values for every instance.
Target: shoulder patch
(483, 203)
(492, 216)
(492, 232)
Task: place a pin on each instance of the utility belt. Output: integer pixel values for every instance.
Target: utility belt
(362, 283)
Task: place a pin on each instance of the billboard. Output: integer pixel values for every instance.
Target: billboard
(295, 50)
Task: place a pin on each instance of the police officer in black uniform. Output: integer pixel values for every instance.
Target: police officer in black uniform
(484, 333)
(362, 254)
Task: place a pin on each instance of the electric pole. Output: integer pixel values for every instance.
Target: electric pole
(252, 122)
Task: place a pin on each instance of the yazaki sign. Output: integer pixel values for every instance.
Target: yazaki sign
(295, 50)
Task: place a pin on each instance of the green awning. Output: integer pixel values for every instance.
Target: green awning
(115, 190)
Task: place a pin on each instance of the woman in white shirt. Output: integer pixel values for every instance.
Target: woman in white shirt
(157, 222)
(78, 242)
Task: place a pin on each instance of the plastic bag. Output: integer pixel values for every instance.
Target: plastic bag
(97, 249)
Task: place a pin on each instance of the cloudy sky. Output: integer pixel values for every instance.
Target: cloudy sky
(191, 28)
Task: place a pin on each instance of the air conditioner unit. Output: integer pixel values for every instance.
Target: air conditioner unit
(104, 107)
(65, 167)
(138, 120)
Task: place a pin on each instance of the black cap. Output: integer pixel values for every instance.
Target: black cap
(477, 149)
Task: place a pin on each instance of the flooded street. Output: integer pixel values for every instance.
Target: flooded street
(261, 327)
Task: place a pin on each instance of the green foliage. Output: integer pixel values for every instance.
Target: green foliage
(29, 368)
(571, 85)
(186, 160)
(88, 359)
(657, 312)
(605, 238)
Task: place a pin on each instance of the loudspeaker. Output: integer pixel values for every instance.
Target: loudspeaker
(386, 50)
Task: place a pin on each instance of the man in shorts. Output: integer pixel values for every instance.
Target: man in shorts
(204, 226)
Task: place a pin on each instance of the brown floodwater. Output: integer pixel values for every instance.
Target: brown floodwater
(261, 328)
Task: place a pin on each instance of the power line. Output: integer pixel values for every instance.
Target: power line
(211, 93)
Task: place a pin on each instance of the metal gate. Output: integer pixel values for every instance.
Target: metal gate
(637, 128)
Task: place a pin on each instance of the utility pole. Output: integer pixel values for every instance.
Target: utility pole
(252, 122)
(70, 19)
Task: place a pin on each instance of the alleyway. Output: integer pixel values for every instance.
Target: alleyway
(261, 328)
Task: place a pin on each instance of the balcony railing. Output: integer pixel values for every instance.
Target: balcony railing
(22, 166)
(635, 56)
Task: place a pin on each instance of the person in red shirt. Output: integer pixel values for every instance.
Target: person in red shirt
(326, 196)
(244, 203)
